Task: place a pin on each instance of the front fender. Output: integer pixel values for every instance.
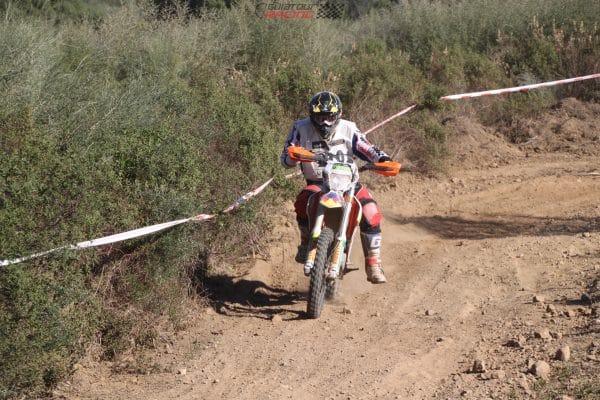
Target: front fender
(332, 200)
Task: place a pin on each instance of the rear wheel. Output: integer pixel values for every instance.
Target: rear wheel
(318, 285)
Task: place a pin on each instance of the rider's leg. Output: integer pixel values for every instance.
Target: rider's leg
(303, 246)
(371, 243)
(302, 218)
(370, 235)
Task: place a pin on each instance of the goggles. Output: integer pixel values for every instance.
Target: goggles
(325, 119)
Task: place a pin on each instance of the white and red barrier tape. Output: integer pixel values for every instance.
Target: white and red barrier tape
(518, 88)
(119, 237)
(493, 92)
(203, 217)
(407, 109)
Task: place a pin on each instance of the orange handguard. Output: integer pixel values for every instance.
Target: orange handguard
(300, 154)
(387, 168)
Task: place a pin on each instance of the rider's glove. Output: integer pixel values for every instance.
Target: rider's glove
(322, 158)
(384, 158)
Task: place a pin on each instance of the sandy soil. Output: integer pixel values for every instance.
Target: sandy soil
(490, 269)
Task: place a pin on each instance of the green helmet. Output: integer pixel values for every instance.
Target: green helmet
(325, 109)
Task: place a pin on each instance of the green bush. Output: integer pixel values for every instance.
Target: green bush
(108, 136)
(44, 324)
(114, 120)
(59, 10)
(376, 82)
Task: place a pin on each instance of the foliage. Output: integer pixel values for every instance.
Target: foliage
(112, 119)
(59, 10)
(45, 314)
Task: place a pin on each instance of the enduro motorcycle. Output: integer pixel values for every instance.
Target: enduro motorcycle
(335, 213)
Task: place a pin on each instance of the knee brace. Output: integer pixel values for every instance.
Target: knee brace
(371, 215)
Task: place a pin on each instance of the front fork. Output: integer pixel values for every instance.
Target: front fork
(312, 242)
(337, 253)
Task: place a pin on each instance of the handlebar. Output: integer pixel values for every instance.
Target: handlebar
(386, 168)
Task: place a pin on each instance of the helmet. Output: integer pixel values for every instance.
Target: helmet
(325, 109)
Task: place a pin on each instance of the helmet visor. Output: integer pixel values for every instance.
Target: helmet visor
(325, 119)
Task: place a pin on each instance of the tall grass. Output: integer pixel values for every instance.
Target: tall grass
(115, 122)
(419, 27)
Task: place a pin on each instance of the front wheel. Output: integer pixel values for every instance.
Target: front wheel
(318, 285)
(332, 289)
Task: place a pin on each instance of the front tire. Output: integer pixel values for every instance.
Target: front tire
(332, 289)
(318, 285)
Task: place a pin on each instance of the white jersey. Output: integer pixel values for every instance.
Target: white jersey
(346, 143)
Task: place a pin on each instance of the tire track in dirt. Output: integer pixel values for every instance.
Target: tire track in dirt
(468, 250)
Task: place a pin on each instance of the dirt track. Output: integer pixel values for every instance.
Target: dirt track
(464, 254)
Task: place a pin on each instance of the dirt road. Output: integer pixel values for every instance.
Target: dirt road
(486, 270)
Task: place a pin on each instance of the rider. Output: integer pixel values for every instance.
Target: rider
(324, 130)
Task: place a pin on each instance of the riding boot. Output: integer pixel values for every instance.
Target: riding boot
(303, 247)
(371, 244)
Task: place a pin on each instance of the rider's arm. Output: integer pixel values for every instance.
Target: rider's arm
(293, 138)
(366, 151)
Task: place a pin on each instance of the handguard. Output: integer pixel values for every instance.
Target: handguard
(301, 154)
(386, 168)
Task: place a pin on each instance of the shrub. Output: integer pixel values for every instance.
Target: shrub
(60, 11)
(126, 120)
(45, 313)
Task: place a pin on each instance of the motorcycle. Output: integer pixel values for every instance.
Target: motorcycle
(335, 213)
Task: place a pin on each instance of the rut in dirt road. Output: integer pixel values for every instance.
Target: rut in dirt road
(463, 256)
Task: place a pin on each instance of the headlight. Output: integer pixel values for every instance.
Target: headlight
(339, 177)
